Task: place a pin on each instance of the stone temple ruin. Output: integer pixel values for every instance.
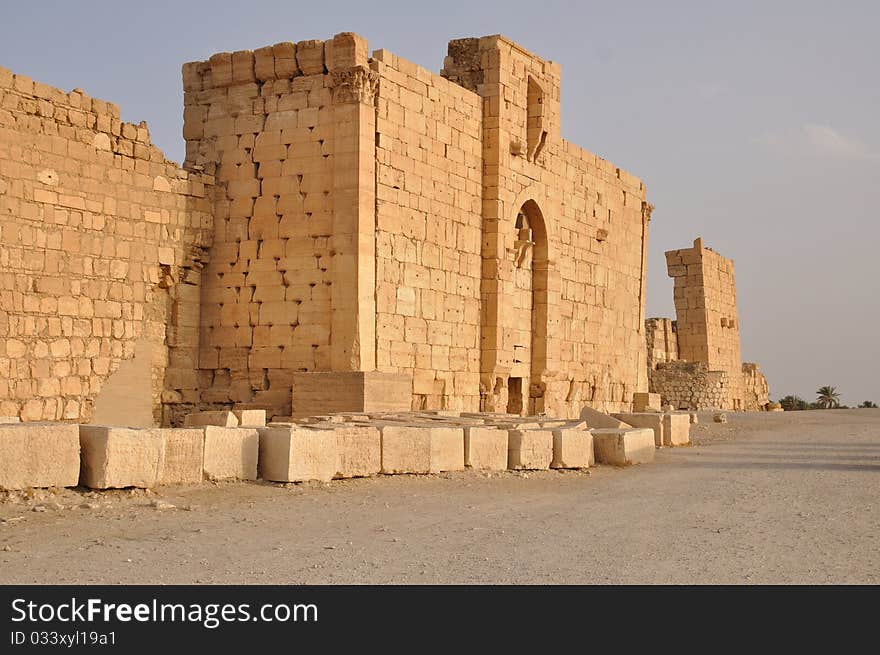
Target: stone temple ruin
(351, 237)
(694, 362)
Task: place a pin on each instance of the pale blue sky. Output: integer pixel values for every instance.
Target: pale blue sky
(754, 124)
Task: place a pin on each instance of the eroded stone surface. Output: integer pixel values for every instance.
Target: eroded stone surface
(120, 457)
(38, 455)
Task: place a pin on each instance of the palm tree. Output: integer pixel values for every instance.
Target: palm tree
(827, 398)
(868, 405)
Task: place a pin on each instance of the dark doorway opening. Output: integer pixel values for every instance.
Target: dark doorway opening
(514, 396)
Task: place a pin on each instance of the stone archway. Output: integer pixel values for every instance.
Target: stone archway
(525, 328)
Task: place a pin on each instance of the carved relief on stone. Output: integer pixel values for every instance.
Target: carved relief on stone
(355, 85)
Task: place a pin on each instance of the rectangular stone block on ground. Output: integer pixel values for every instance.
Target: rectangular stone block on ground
(114, 458)
(645, 420)
(220, 419)
(39, 455)
(360, 450)
(676, 429)
(298, 454)
(485, 448)
(646, 402)
(421, 449)
(572, 448)
(623, 447)
(184, 455)
(250, 418)
(529, 449)
(9, 419)
(231, 453)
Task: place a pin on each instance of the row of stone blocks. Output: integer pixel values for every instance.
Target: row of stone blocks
(226, 445)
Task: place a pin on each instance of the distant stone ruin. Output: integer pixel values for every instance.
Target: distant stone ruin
(694, 362)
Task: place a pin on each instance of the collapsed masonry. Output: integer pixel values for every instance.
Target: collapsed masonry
(240, 445)
(348, 233)
(694, 362)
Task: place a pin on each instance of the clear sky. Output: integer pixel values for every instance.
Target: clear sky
(754, 125)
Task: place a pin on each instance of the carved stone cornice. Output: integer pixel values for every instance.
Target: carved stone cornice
(647, 209)
(354, 85)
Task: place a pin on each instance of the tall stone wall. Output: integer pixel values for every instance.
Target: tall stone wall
(428, 233)
(99, 238)
(564, 237)
(705, 308)
(288, 131)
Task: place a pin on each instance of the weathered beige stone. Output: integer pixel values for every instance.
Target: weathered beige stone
(485, 448)
(719, 417)
(9, 419)
(623, 447)
(250, 418)
(352, 391)
(572, 448)
(120, 457)
(421, 449)
(676, 429)
(298, 454)
(646, 402)
(360, 451)
(529, 449)
(597, 419)
(694, 419)
(184, 455)
(38, 455)
(221, 419)
(231, 453)
(645, 420)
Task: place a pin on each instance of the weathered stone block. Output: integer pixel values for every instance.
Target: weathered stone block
(676, 429)
(39, 455)
(353, 391)
(184, 455)
(250, 418)
(298, 454)
(9, 419)
(231, 453)
(220, 419)
(529, 449)
(623, 447)
(645, 420)
(646, 402)
(409, 449)
(485, 448)
(360, 451)
(120, 457)
(572, 448)
(597, 419)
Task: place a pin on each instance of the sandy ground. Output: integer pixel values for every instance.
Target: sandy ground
(765, 498)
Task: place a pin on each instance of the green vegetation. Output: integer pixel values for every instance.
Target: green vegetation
(827, 397)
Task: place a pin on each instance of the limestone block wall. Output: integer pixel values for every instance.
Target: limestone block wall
(573, 223)
(756, 390)
(289, 132)
(428, 233)
(706, 313)
(662, 341)
(690, 385)
(99, 238)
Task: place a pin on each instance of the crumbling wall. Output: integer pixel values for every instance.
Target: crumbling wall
(662, 341)
(705, 308)
(689, 385)
(428, 233)
(756, 391)
(98, 233)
